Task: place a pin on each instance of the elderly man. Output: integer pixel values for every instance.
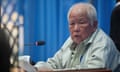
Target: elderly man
(87, 47)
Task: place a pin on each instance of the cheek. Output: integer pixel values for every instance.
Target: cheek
(87, 31)
(71, 29)
(84, 31)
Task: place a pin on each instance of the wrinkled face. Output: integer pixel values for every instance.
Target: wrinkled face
(79, 25)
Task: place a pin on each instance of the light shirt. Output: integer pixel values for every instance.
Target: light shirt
(97, 51)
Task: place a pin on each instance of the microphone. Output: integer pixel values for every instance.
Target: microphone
(37, 43)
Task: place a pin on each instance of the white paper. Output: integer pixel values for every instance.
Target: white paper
(43, 66)
(24, 63)
(26, 66)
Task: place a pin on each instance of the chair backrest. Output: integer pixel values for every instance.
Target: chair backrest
(115, 29)
(115, 26)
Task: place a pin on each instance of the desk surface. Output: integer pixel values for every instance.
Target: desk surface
(83, 70)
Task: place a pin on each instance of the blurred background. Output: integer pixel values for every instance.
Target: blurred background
(28, 21)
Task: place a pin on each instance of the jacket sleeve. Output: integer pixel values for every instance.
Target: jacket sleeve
(56, 61)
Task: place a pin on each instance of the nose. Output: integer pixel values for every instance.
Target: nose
(76, 28)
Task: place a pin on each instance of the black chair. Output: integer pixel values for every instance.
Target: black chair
(115, 29)
(115, 26)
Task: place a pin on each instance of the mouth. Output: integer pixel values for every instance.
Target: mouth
(76, 36)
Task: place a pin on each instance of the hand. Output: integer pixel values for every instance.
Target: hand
(16, 69)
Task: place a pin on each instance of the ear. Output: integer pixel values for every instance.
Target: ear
(95, 24)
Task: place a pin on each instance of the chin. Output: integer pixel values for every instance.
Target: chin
(76, 41)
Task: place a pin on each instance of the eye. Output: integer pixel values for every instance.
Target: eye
(82, 22)
(72, 23)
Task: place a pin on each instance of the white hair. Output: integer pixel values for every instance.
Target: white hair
(90, 9)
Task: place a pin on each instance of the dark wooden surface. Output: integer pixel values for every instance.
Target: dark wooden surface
(82, 70)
